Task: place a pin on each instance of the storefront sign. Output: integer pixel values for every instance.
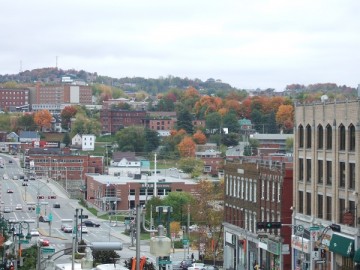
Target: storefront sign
(263, 245)
(273, 247)
(300, 243)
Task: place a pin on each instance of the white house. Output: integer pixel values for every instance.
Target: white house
(86, 141)
(124, 164)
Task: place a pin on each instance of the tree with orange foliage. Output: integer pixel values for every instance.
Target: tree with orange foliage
(66, 114)
(187, 147)
(199, 137)
(285, 117)
(43, 119)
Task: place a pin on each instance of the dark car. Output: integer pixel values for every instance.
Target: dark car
(44, 219)
(89, 223)
(185, 264)
(56, 205)
(210, 267)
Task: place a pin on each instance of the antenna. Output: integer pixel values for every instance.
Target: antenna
(20, 66)
(56, 64)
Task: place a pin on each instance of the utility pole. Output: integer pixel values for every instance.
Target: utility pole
(187, 228)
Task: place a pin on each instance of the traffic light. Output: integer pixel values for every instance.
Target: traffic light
(40, 197)
(335, 227)
(264, 225)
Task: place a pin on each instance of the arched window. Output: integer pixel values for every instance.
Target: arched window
(342, 138)
(351, 138)
(328, 137)
(308, 136)
(320, 137)
(301, 136)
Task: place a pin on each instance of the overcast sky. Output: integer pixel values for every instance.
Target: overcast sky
(246, 43)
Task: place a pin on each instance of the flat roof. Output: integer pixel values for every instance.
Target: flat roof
(110, 179)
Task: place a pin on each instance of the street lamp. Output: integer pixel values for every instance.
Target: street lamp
(20, 226)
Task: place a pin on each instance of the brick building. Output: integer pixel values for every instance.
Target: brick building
(257, 190)
(326, 191)
(112, 120)
(10, 98)
(108, 193)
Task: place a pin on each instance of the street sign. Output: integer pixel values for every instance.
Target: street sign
(47, 250)
(165, 262)
(314, 228)
(24, 241)
(37, 210)
(185, 242)
(50, 217)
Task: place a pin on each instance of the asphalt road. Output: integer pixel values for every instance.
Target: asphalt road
(25, 195)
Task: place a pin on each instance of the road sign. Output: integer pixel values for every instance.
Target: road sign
(185, 242)
(83, 216)
(24, 241)
(37, 210)
(47, 250)
(314, 228)
(50, 217)
(165, 262)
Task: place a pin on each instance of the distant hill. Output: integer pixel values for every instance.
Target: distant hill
(151, 86)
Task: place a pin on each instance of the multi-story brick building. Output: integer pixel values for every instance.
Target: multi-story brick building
(60, 165)
(10, 98)
(112, 120)
(255, 191)
(108, 192)
(326, 174)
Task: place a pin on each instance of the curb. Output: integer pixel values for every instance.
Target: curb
(46, 234)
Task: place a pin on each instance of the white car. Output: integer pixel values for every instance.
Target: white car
(18, 207)
(84, 229)
(197, 266)
(34, 232)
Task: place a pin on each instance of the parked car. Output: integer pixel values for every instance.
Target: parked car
(44, 242)
(32, 177)
(67, 229)
(15, 177)
(7, 209)
(211, 267)
(185, 264)
(10, 161)
(24, 184)
(10, 190)
(18, 207)
(90, 223)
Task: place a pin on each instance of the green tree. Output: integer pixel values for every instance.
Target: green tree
(213, 121)
(152, 140)
(26, 122)
(66, 139)
(179, 202)
(231, 122)
(131, 139)
(272, 127)
(5, 121)
(289, 145)
(247, 150)
(104, 256)
(191, 166)
(184, 121)
(230, 139)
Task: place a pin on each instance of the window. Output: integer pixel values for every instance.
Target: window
(301, 169)
(328, 137)
(301, 201)
(132, 191)
(342, 174)
(308, 170)
(262, 189)
(255, 192)
(308, 203)
(351, 175)
(352, 208)
(320, 172)
(308, 136)
(351, 138)
(301, 136)
(342, 137)
(328, 208)
(273, 191)
(267, 189)
(328, 172)
(342, 210)
(320, 206)
(320, 137)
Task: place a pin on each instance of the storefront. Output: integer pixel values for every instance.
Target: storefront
(230, 256)
(301, 251)
(343, 249)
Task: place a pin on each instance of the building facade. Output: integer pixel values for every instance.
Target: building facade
(10, 98)
(257, 191)
(112, 120)
(326, 191)
(112, 193)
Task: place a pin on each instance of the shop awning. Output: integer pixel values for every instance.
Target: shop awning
(357, 256)
(342, 245)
